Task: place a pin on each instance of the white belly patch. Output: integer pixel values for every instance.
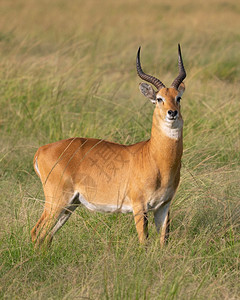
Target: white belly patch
(107, 208)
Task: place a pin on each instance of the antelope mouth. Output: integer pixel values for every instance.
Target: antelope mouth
(171, 118)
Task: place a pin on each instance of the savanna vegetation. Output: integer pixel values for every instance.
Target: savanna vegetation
(68, 69)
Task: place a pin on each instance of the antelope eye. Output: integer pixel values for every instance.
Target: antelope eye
(178, 99)
(159, 99)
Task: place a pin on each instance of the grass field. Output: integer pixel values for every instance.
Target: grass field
(68, 69)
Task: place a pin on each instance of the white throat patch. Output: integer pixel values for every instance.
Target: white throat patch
(173, 130)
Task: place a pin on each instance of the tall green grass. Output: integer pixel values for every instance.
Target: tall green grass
(68, 69)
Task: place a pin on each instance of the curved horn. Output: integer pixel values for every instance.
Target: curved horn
(182, 72)
(156, 82)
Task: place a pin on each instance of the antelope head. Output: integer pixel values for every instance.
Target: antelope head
(167, 100)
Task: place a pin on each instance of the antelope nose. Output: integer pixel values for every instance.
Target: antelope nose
(172, 113)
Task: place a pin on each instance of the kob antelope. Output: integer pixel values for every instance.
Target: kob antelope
(109, 177)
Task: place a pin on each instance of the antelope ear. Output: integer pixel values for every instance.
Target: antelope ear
(181, 89)
(148, 91)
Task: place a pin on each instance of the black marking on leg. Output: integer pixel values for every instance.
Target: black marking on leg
(146, 224)
(167, 228)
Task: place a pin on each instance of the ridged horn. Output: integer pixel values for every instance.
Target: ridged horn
(149, 78)
(182, 73)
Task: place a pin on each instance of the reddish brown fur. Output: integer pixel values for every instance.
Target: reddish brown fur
(107, 173)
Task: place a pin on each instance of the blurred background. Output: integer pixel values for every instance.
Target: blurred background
(68, 69)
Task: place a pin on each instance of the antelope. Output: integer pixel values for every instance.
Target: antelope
(110, 177)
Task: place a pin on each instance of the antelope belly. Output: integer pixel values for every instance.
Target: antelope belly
(107, 208)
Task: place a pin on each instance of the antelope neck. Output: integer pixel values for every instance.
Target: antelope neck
(166, 141)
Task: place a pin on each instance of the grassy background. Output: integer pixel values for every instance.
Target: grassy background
(68, 69)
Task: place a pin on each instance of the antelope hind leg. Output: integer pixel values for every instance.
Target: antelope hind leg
(52, 220)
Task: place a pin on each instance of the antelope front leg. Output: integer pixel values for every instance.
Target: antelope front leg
(141, 222)
(161, 218)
